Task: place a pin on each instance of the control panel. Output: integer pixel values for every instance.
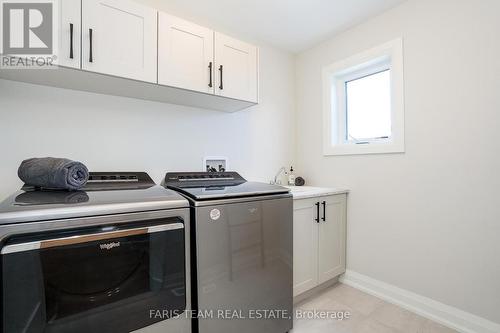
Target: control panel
(203, 179)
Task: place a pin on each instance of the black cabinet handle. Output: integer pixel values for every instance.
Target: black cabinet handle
(91, 57)
(221, 86)
(210, 69)
(324, 211)
(71, 40)
(317, 212)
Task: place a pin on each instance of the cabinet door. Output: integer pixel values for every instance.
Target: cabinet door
(120, 39)
(70, 33)
(305, 246)
(332, 234)
(185, 54)
(236, 68)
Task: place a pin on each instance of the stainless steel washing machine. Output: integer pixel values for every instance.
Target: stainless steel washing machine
(113, 257)
(242, 244)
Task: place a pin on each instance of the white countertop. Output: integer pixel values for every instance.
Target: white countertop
(304, 192)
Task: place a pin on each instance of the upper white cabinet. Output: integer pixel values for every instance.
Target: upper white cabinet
(197, 58)
(119, 37)
(237, 68)
(185, 54)
(70, 30)
(115, 46)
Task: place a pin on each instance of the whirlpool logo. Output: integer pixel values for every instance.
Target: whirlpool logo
(109, 246)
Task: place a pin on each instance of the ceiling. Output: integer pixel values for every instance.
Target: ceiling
(292, 25)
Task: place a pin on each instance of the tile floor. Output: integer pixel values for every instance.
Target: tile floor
(368, 314)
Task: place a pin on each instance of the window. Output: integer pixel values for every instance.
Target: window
(368, 107)
(364, 105)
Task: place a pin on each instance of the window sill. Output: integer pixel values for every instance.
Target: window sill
(363, 149)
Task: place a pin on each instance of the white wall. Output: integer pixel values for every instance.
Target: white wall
(118, 134)
(428, 220)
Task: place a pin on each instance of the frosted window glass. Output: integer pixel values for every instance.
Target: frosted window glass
(368, 102)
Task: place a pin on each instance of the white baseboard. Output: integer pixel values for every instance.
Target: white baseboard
(441, 313)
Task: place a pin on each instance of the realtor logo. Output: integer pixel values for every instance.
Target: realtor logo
(27, 28)
(28, 33)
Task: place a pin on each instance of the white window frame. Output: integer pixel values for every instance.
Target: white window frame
(384, 57)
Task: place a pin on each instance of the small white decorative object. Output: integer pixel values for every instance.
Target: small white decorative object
(215, 164)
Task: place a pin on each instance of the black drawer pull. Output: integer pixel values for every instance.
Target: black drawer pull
(317, 212)
(324, 211)
(71, 41)
(91, 57)
(221, 86)
(210, 69)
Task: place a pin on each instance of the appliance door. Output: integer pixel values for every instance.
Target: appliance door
(101, 279)
(244, 265)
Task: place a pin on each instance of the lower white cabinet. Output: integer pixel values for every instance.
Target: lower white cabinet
(319, 234)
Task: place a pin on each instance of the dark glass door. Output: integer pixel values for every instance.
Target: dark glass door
(94, 280)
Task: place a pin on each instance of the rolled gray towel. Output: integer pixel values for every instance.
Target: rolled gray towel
(53, 173)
